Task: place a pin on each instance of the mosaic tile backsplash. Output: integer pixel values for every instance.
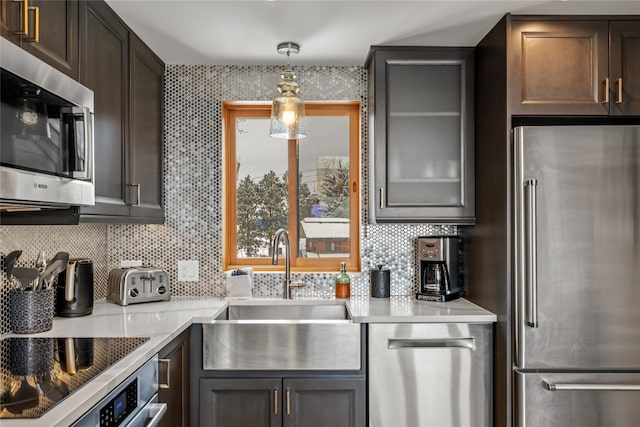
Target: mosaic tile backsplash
(193, 193)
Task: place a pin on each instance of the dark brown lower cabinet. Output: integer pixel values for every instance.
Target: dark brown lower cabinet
(330, 402)
(287, 402)
(174, 381)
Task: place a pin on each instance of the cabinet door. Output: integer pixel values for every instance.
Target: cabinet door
(174, 382)
(145, 141)
(9, 18)
(105, 70)
(58, 44)
(240, 402)
(330, 402)
(559, 67)
(423, 136)
(625, 67)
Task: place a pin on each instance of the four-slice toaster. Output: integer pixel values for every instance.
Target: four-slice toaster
(138, 284)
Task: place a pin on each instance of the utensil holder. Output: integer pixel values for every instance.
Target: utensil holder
(31, 311)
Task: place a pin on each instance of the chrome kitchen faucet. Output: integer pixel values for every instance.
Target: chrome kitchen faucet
(286, 294)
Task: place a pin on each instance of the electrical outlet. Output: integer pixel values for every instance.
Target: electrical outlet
(188, 271)
(126, 263)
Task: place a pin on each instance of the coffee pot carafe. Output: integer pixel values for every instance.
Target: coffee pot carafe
(74, 289)
(439, 263)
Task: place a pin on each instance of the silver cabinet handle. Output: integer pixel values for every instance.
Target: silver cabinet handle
(167, 383)
(381, 197)
(395, 343)
(275, 401)
(589, 387)
(288, 401)
(531, 247)
(605, 82)
(137, 203)
(619, 90)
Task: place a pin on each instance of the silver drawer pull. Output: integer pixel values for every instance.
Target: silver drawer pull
(589, 387)
(167, 370)
(395, 343)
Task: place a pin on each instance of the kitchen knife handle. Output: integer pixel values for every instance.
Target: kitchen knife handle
(531, 248)
(619, 90)
(167, 382)
(589, 387)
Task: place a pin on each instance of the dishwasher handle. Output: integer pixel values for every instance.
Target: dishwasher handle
(397, 343)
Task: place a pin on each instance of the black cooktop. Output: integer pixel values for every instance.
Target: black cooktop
(38, 373)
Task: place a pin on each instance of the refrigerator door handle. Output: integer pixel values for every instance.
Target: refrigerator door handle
(589, 387)
(531, 263)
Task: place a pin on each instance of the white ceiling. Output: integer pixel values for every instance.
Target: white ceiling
(329, 32)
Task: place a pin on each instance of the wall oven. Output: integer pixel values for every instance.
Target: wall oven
(46, 136)
(133, 403)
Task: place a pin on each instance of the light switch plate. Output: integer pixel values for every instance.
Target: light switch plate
(188, 270)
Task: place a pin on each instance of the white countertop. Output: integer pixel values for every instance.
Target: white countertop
(163, 321)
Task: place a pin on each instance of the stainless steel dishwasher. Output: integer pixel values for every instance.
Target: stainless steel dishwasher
(430, 375)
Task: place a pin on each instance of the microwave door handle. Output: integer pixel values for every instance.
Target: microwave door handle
(87, 151)
(87, 135)
(88, 143)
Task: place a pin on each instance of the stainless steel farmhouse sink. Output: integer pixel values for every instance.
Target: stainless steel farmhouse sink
(282, 336)
(288, 312)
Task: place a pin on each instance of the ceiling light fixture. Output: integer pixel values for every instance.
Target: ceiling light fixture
(287, 110)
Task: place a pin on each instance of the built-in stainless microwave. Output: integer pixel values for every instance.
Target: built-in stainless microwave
(46, 135)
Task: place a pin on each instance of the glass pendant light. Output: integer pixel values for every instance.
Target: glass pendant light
(287, 110)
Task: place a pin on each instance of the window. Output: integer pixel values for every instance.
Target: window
(310, 187)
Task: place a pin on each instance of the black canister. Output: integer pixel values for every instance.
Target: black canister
(380, 282)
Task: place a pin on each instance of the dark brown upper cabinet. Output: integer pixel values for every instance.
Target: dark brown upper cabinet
(575, 67)
(105, 48)
(146, 73)
(624, 63)
(127, 80)
(421, 133)
(49, 30)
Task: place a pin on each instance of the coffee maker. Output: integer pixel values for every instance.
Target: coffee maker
(439, 274)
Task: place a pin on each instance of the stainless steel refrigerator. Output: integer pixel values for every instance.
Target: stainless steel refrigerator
(577, 276)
